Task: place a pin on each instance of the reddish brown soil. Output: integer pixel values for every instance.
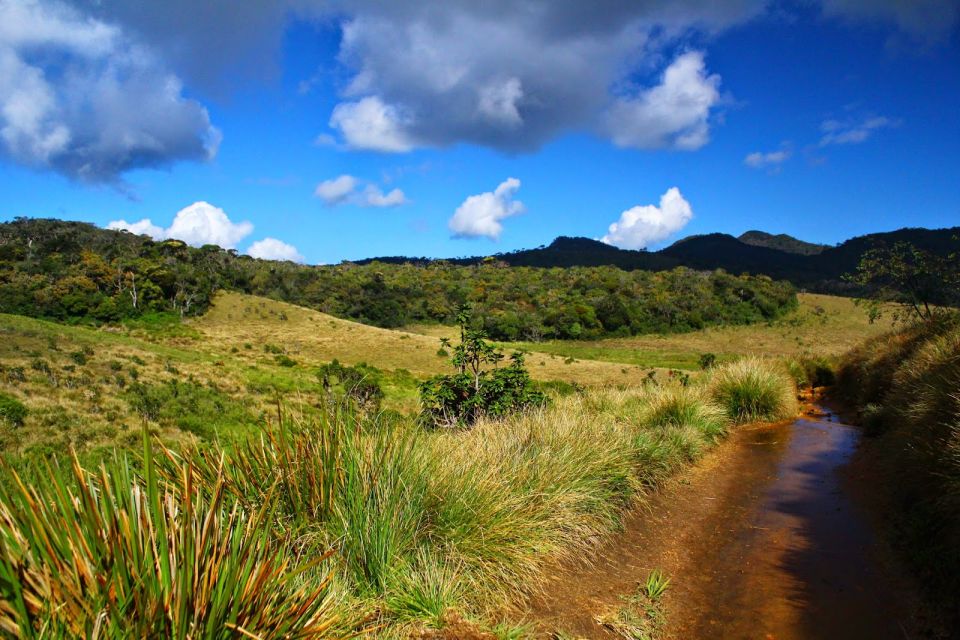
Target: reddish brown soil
(763, 539)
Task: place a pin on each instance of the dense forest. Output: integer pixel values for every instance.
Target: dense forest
(808, 266)
(71, 271)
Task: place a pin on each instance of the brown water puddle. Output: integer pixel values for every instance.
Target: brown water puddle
(765, 539)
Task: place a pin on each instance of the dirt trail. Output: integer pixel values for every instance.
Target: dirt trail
(765, 539)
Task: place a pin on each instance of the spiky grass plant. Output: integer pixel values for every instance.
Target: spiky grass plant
(753, 389)
(116, 554)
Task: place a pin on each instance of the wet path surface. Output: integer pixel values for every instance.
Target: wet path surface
(764, 540)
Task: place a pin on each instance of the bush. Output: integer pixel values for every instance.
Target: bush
(461, 398)
(752, 389)
(707, 360)
(360, 384)
(12, 411)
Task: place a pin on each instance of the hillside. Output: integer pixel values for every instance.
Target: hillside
(806, 265)
(781, 242)
(216, 377)
(70, 271)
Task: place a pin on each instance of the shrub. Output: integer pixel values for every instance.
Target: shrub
(752, 389)
(707, 360)
(360, 384)
(472, 392)
(12, 411)
(284, 360)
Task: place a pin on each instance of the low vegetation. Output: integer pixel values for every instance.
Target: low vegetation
(905, 386)
(424, 522)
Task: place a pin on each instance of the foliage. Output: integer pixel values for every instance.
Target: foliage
(12, 411)
(192, 407)
(475, 391)
(77, 272)
(916, 279)
(361, 383)
(707, 360)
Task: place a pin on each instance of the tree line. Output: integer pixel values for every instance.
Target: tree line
(71, 271)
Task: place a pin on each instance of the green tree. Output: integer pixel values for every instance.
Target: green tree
(919, 282)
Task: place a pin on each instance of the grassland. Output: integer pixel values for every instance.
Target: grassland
(822, 325)
(426, 525)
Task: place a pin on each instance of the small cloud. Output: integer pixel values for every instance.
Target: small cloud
(480, 215)
(346, 189)
(273, 249)
(374, 197)
(642, 226)
(852, 131)
(199, 224)
(371, 124)
(674, 114)
(336, 190)
(768, 160)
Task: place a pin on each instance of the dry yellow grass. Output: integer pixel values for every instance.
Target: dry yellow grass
(822, 325)
(236, 319)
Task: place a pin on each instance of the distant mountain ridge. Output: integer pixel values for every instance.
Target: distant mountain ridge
(781, 242)
(807, 265)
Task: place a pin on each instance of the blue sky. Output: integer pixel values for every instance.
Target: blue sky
(462, 131)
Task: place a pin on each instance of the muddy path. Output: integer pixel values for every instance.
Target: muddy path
(767, 538)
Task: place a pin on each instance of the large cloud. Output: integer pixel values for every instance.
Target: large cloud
(929, 21)
(199, 224)
(672, 114)
(81, 97)
(480, 215)
(642, 226)
(514, 75)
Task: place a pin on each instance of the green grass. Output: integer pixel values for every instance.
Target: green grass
(424, 523)
(751, 390)
(905, 388)
(641, 616)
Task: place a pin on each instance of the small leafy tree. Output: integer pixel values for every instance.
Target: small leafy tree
(475, 389)
(917, 280)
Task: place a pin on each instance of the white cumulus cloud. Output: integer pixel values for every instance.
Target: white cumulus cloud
(199, 224)
(480, 215)
(347, 189)
(371, 124)
(273, 249)
(673, 114)
(644, 225)
(82, 97)
(336, 190)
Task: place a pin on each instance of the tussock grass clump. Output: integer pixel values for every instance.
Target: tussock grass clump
(753, 390)
(117, 554)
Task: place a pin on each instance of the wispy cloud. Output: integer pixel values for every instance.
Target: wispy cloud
(853, 131)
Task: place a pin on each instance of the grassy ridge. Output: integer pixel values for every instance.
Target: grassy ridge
(905, 385)
(423, 522)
